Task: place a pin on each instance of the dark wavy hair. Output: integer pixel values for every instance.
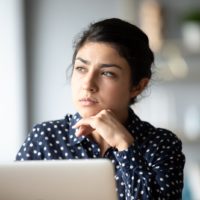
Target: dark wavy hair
(130, 42)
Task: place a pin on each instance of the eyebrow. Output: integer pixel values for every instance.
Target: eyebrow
(83, 60)
(102, 65)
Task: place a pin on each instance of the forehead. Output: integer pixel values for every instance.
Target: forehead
(98, 46)
(100, 51)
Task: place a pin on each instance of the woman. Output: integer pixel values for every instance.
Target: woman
(111, 67)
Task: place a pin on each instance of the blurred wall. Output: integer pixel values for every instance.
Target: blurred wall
(12, 78)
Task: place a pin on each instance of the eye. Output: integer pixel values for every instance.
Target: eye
(108, 74)
(80, 69)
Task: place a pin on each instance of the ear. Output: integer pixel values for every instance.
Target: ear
(136, 90)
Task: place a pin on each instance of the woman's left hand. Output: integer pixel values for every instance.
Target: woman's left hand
(108, 127)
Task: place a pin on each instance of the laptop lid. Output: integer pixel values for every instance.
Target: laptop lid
(58, 180)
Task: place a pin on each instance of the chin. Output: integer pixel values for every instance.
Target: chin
(88, 112)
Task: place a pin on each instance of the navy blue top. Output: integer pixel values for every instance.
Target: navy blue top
(151, 168)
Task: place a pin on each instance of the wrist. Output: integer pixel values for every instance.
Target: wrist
(125, 143)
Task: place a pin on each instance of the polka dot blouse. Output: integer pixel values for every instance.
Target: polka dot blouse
(151, 168)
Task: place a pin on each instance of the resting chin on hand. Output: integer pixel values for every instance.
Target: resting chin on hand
(108, 127)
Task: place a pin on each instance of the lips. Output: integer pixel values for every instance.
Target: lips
(88, 101)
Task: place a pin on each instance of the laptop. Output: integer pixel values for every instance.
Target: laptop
(86, 179)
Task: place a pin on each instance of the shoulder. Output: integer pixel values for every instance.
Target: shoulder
(52, 127)
(46, 138)
(160, 144)
(159, 136)
(147, 134)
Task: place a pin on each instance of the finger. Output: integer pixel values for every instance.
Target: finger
(83, 130)
(111, 112)
(83, 122)
(80, 131)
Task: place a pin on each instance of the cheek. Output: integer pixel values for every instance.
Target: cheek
(117, 93)
(120, 88)
(74, 88)
(74, 83)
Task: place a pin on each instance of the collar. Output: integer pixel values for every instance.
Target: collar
(73, 139)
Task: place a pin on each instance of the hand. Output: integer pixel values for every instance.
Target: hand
(108, 127)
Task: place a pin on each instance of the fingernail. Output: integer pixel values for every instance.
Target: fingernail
(77, 133)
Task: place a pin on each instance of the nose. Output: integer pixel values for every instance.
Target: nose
(90, 83)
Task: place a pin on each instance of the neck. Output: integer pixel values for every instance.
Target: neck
(124, 117)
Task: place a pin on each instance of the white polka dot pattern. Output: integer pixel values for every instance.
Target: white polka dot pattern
(151, 168)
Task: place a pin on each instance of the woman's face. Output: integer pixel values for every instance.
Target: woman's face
(101, 79)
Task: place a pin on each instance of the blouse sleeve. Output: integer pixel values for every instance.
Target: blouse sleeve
(32, 147)
(153, 173)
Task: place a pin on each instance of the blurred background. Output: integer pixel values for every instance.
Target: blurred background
(36, 46)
